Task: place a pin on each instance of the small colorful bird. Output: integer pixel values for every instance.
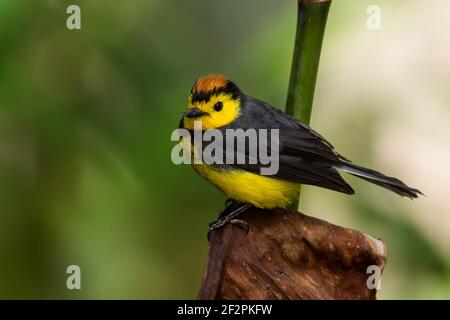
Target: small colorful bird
(305, 157)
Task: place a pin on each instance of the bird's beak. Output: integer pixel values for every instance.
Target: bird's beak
(195, 113)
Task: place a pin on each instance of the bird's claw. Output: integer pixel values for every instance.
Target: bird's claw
(241, 224)
(229, 214)
(219, 224)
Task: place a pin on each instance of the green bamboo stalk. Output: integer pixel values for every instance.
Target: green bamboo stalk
(311, 21)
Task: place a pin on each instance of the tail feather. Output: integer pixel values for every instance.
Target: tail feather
(381, 180)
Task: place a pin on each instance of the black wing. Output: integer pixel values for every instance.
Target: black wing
(306, 161)
(304, 155)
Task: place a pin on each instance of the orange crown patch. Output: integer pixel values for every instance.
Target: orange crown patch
(210, 83)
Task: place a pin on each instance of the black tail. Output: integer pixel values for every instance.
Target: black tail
(380, 179)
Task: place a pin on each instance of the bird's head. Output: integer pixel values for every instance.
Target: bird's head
(214, 100)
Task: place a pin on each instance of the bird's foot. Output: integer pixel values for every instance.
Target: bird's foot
(229, 214)
(241, 224)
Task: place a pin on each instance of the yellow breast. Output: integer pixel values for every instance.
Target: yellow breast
(242, 186)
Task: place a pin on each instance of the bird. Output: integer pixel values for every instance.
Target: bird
(305, 156)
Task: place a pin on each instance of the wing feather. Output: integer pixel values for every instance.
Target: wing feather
(304, 155)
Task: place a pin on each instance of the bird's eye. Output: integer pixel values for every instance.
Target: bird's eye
(218, 106)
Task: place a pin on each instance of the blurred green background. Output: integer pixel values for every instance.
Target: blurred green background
(86, 118)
